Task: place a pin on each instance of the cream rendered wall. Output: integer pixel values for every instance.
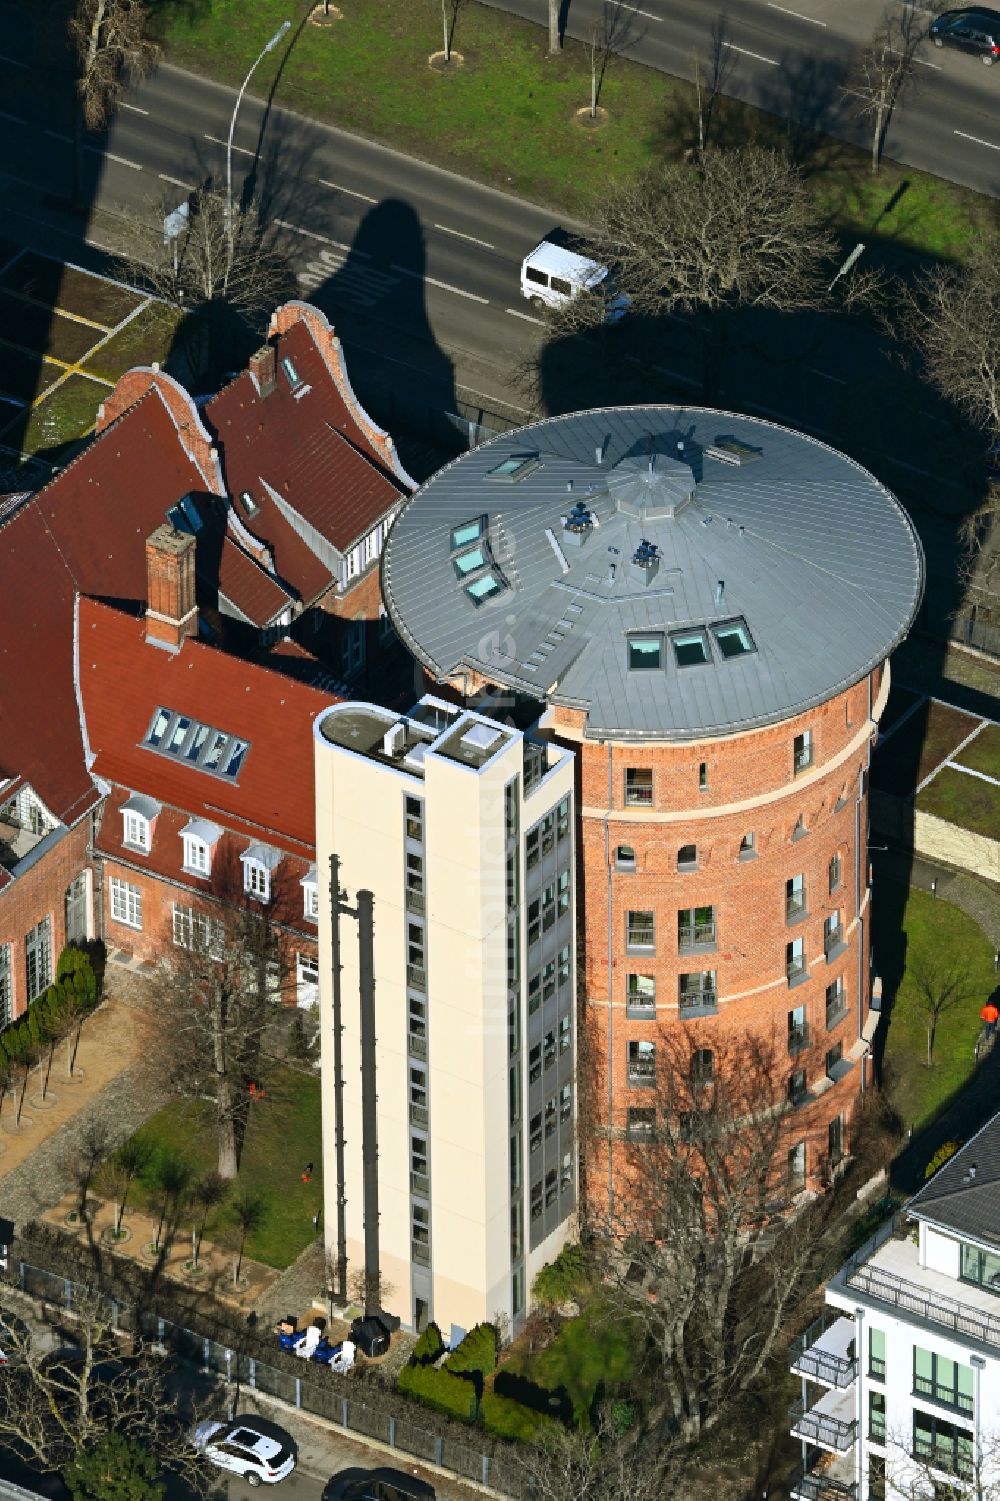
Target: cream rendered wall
(939, 1253)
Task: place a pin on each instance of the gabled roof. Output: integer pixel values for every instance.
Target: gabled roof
(271, 798)
(84, 532)
(248, 586)
(305, 457)
(964, 1195)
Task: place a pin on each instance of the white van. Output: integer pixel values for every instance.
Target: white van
(553, 275)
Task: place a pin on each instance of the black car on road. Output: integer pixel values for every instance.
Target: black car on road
(975, 30)
(376, 1485)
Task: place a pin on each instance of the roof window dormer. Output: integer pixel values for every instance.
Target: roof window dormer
(259, 862)
(138, 816)
(199, 839)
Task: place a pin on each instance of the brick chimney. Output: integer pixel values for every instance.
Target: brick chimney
(263, 369)
(171, 610)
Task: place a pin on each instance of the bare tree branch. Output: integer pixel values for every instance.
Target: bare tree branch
(888, 70)
(112, 42)
(934, 991)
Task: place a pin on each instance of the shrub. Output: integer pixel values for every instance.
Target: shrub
(506, 1418)
(76, 969)
(476, 1352)
(441, 1390)
(568, 1277)
(946, 1150)
(527, 1393)
(428, 1347)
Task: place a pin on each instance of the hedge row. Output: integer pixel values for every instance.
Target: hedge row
(477, 1352)
(506, 1418)
(428, 1347)
(441, 1390)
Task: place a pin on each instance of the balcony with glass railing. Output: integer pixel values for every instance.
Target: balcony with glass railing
(829, 1423)
(826, 1351)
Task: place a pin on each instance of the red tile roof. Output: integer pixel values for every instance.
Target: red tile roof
(312, 449)
(85, 531)
(248, 586)
(271, 799)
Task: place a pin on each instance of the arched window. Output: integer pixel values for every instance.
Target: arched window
(687, 857)
(702, 1066)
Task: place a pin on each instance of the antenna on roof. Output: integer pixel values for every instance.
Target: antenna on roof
(569, 484)
(720, 594)
(652, 463)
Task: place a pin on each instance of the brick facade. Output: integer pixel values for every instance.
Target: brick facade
(683, 850)
(38, 893)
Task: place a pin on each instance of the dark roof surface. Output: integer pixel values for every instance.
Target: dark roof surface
(964, 1195)
(811, 551)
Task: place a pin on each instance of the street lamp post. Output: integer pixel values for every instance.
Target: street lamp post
(268, 47)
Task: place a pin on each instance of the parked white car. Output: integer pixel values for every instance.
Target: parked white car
(259, 1451)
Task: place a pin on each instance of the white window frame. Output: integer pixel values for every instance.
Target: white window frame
(6, 985)
(136, 836)
(310, 901)
(190, 924)
(256, 880)
(197, 856)
(126, 903)
(306, 979)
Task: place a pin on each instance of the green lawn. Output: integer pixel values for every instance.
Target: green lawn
(508, 115)
(914, 929)
(61, 418)
(147, 337)
(596, 1348)
(283, 1134)
(929, 736)
(966, 801)
(983, 753)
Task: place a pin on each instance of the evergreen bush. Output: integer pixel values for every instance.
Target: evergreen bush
(428, 1347)
(506, 1418)
(441, 1390)
(476, 1352)
(567, 1278)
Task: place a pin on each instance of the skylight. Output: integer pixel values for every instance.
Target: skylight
(187, 739)
(690, 648)
(467, 533)
(468, 562)
(644, 652)
(513, 468)
(484, 588)
(732, 638)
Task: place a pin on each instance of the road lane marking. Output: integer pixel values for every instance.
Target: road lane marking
(14, 119)
(460, 236)
(826, 375)
(57, 135)
(311, 234)
(352, 192)
(175, 182)
(796, 13)
(528, 317)
(135, 108)
(445, 286)
(773, 62)
(110, 156)
(13, 61)
(241, 149)
(978, 140)
(896, 51)
(633, 10)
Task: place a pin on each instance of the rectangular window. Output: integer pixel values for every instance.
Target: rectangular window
(644, 653)
(797, 1086)
(697, 989)
(564, 1033)
(511, 808)
(641, 1123)
(834, 1057)
(6, 986)
(640, 932)
(563, 965)
(943, 1445)
(795, 897)
(126, 903)
(137, 832)
(638, 787)
(833, 935)
(551, 1116)
(876, 1477)
(795, 959)
(690, 648)
(551, 1187)
(194, 929)
(516, 1234)
(942, 1379)
(421, 1233)
(291, 374)
(625, 858)
(802, 751)
(876, 1353)
(310, 901)
(566, 1103)
(695, 928)
(836, 1140)
(836, 873)
(535, 1063)
(642, 1064)
(980, 1267)
(197, 858)
(798, 1030)
(876, 1416)
(414, 818)
(836, 1003)
(469, 532)
(732, 638)
(562, 820)
(256, 880)
(514, 1094)
(515, 1162)
(640, 995)
(549, 1049)
(419, 1180)
(796, 1166)
(535, 1132)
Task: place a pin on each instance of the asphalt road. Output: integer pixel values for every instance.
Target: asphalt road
(798, 59)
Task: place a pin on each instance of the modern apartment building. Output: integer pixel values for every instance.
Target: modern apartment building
(448, 1088)
(901, 1376)
(702, 605)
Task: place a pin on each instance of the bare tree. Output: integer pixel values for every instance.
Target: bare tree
(207, 1194)
(572, 1465)
(449, 20)
(888, 69)
(555, 35)
(736, 230)
(710, 80)
(697, 1250)
(112, 42)
(83, 1162)
(247, 1213)
(932, 992)
(611, 33)
(209, 1008)
(120, 1172)
(225, 272)
(56, 1405)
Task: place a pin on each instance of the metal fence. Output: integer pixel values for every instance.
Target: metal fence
(411, 1432)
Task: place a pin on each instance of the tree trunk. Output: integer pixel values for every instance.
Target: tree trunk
(555, 40)
(239, 1261)
(21, 1094)
(930, 1044)
(228, 1155)
(877, 137)
(48, 1070)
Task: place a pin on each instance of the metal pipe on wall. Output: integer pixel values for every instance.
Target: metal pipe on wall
(369, 1121)
(338, 1078)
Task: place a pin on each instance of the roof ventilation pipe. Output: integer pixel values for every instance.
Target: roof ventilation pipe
(599, 453)
(394, 739)
(720, 594)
